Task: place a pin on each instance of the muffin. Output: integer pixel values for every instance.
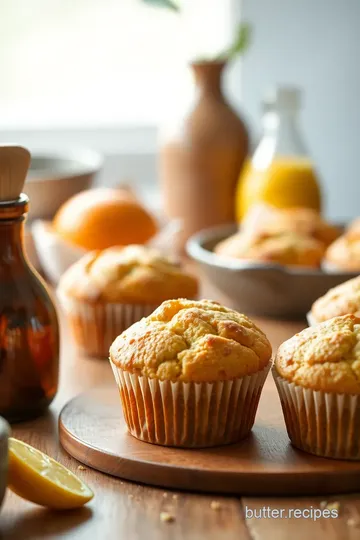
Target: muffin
(317, 374)
(341, 300)
(100, 218)
(107, 291)
(191, 374)
(353, 229)
(344, 253)
(288, 248)
(270, 221)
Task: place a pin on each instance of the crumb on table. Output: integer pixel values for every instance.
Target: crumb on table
(335, 505)
(352, 522)
(166, 517)
(330, 505)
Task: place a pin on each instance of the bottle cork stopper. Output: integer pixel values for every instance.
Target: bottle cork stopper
(14, 165)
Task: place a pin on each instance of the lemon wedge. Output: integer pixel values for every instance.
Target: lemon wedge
(36, 477)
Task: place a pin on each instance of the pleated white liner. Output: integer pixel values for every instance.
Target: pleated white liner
(321, 423)
(189, 414)
(95, 326)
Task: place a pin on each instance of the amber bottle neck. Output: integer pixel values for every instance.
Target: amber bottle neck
(12, 217)
(11, 240)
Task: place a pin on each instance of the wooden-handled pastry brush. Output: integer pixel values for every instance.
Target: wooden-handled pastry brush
(14, 165)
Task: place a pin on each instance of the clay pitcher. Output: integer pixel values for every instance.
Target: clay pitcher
(201, 162)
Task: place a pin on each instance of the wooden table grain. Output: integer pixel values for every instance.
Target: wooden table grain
(125, 510)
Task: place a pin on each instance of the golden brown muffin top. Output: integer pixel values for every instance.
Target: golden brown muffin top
(324, 357)
(130, 274)
(340, 300)
(288, 248)
(192, 341)
(344, 253)
(302, 221)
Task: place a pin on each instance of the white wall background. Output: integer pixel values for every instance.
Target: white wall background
(102, 74)
(315, 44)
(87, 63)
(312, 43)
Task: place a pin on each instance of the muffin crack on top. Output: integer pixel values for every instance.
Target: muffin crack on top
(133, 274)
(192, 341)
(325, 357)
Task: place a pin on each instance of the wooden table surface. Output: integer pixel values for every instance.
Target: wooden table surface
(125, 510)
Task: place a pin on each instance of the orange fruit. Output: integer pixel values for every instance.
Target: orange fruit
(100, 218)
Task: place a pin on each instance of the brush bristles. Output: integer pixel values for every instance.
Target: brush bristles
(14, 165)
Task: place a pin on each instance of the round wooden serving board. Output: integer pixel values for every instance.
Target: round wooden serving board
(93, 431)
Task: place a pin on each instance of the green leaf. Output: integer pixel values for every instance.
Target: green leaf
(170, 4)
(241, 42)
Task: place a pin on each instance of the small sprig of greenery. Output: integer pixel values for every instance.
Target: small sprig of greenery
(239, 46)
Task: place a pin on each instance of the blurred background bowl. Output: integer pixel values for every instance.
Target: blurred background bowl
(4, 445)
(261, 289)
(55, 177)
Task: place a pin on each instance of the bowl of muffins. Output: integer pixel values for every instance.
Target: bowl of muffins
(279, 261)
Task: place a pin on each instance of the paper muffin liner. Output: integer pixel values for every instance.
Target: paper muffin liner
(95, 326)
(321, 423)
(189, 414)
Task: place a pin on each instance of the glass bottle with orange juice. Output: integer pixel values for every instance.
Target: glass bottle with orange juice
(280, 172)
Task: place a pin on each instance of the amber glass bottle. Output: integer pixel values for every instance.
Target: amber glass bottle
(29, 333)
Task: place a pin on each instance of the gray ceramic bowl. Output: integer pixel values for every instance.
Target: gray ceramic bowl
(260, 289)
(55, 177)
(4, 441)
